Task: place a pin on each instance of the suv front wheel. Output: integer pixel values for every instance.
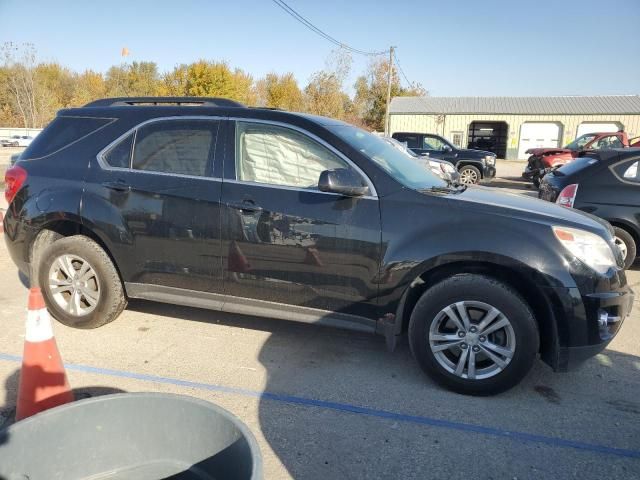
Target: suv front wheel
(469, 175)
(81, 286)
(474, 335)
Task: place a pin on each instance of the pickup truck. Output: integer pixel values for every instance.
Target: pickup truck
(543, 160)
(473, 165)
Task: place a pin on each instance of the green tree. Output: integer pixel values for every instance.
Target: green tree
(280, 91)
(324, 95)
(216, 79)
(88, 86)
(137, 79)
(371, 93)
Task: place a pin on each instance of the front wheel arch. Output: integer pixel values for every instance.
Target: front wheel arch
(546, 309)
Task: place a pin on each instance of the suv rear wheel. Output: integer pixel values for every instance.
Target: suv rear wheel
(81, 286)
(474, 335)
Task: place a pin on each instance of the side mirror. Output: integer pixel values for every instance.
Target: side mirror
(342, 181)
(446, 148)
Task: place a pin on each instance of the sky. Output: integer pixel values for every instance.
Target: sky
(451, 47)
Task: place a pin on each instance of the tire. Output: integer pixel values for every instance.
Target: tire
(480, 293)
(536, 181)
(99, 299)
(628, 244)
(469, 175)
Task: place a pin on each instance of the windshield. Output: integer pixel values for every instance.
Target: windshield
(392, 160)
(580, 142)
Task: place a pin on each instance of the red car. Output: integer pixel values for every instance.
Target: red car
(544, 159)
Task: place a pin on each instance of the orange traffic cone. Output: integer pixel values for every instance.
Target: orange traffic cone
(43, 381)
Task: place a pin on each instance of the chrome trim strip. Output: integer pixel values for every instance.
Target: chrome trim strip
(296, 189)
(105, 166)
(328, 146)
(134, 130)
(622, 179)
(249, 306)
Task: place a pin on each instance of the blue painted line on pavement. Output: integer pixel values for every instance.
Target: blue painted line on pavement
(345, 407)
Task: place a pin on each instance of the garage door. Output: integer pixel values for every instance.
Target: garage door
(537, 134)
(597, 127)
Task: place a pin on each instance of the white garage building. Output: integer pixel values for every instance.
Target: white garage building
(509, 126)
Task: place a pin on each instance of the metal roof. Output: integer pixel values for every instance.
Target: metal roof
(570, 105)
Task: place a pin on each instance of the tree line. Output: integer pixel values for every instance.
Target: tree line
(31, 92)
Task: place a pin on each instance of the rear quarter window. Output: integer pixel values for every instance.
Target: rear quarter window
(62, 132)
(628, 171)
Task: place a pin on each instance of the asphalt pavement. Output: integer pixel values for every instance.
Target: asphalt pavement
(326, 403)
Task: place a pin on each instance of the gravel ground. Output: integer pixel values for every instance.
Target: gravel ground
(327, 403)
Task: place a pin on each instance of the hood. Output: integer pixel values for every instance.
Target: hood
(471, 153)
(488, 200)
(541, 151)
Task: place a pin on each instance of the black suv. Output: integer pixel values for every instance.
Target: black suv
(605, 183)
(473, 165)
(208, 203)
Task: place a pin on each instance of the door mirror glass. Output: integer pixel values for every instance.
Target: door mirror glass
(342, 181)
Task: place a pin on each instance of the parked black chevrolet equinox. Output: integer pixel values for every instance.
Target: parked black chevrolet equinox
(208, 203)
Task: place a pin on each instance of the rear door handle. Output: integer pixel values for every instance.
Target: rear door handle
(118, 186)
(245, 206)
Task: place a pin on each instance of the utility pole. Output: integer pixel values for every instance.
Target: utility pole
(386, 116)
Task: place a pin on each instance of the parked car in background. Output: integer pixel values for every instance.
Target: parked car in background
(18, 141)
(605, 184)
(442, 168)
(473, 165)
(542, 160)
(300, 217)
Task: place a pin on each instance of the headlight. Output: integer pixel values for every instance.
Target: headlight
(447, 168)
(490, 159)
(589, 248)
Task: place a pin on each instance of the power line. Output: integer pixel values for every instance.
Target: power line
(413, 85)
(324, 35)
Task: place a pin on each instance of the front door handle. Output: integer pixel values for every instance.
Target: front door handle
(245, 206)
(118, 186)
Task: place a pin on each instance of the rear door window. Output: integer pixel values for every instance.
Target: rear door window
(62, 132)
(181, 147)
(412, 141)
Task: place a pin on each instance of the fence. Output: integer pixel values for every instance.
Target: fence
(8, 132)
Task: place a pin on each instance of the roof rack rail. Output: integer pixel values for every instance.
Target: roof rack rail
(128, 101)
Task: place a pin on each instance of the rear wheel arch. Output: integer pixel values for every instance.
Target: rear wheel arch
(545, 308)
(55, 230)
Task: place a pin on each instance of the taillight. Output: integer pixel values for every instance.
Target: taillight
(13, 180)
(568, 195)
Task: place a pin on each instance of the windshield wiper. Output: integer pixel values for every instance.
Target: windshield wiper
(450, 188)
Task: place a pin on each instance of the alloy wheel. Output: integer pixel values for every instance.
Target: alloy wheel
(622, 246)
(74, 285)
(468, 177)
(472, 340)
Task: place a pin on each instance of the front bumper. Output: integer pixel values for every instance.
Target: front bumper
(488, 172)
(601, 316)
